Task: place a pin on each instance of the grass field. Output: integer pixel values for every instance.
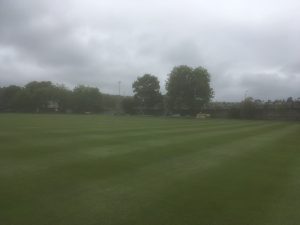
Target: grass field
(90, 170)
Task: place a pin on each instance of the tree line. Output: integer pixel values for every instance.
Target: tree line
(188, 90)
(45, 96)
(250, 108)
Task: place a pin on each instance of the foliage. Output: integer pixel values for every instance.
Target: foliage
(188, 92)
(251, 108)
(86, 99)
(188, 89)
(248, 108)
(147, 93)
(45, 96)
(8, 97)
(110, 102)
(129, 105)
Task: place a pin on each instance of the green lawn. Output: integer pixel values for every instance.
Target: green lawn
(103, 170)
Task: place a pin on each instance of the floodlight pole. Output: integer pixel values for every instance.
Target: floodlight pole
(119, 83)
(246, 92)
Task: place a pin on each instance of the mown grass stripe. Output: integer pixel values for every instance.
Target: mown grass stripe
(147, 171)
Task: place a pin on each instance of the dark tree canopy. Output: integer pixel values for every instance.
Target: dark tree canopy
(8, 97)
(45, 96)
(129, 105)
(188, 89)
(188, 92)
(41, 93)
(147, 92)
(86, 99)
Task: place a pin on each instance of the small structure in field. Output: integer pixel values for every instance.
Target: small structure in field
(202, 116)
(53, 106)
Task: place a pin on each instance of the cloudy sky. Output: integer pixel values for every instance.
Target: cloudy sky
(247, 46)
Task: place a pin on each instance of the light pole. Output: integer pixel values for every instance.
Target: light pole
(246, 93)
(119, 84)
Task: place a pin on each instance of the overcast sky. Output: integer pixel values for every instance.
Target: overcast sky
(247, 46)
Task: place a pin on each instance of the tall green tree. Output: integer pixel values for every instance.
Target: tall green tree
(40, 93)
(188, 89)
(147, 93)
(87, 99)
(63, 96)
(8, 97)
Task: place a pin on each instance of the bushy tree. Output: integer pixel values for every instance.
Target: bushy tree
(147, 93)
(38, 96)
(40, 93)
(188, 89)
(129, 105)
(8, 97)
(63, 96)
(87, 99)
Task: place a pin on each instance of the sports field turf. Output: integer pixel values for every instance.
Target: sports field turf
(90, 170)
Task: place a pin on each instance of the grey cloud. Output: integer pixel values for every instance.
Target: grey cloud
(292, 68)
(245, 45)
